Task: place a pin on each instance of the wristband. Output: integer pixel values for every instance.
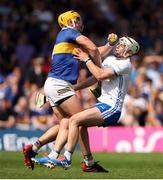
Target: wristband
(109, 44)
(88, 59)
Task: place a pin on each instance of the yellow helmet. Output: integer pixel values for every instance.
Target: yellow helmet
(65, 17)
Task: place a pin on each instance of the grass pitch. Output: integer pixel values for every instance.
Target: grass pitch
(120, 166)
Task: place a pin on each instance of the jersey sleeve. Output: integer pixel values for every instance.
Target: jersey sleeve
(74, 34)
(122, 68)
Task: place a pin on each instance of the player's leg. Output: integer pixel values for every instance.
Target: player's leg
(87, 118)
(73, 106)
(70, 106)
(84, 141)
(90, 117)
(50, 135)
(85, 146)
(110, 117)
(59, 144)
(101, 115)
(89, 165)
(61, 138)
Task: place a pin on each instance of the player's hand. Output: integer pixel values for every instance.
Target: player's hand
(80, 54)
(112, 39)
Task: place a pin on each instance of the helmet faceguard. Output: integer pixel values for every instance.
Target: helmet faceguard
(131, 46)
(75, 18)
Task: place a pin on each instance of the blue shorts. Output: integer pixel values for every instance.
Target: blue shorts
(109, 114)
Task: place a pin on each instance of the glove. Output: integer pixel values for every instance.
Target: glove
(112, 39)
(97, 91)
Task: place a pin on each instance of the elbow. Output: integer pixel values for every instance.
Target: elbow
(103, 76)
(99, 77)
(93, 49)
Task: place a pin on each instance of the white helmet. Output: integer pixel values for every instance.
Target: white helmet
(130, 45)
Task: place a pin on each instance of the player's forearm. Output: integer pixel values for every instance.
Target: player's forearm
(90, 48)
(89, 82)
(98, 73)
(105, 50)
(95, 70)
(95, 55)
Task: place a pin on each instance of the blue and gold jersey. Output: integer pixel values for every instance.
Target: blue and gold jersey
(64, 65)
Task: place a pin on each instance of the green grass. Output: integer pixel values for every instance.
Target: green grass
(121, 166)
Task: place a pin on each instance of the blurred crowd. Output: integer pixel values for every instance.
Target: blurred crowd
(27, 34)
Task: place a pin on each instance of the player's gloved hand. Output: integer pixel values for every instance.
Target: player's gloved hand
(112, 39)
(97, 91)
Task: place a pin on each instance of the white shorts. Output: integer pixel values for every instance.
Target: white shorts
(57, 89)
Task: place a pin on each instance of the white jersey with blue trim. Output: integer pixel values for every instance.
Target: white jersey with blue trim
(113, 90)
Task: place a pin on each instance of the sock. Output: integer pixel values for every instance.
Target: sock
(68, 155)
(89, 162)
(36, 146)
(53, 154)
(88, 159)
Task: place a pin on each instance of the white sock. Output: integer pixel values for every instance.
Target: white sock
(89, 162)
(68, 155)
(53, 154)
(36, 146)
(35, 149)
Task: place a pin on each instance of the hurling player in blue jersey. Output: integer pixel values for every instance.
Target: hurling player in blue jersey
(58, 87)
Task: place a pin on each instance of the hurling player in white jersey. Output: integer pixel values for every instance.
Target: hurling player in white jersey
(114, 76)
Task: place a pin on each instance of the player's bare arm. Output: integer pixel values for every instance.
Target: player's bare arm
(89, 46)
(98, 73)
(106, 49)
(89, 82)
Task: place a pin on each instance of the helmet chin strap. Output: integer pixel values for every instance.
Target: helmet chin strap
(73, 23)
(74, 26)
(125, 54)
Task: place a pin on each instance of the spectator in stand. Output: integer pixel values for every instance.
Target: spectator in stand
(24, 51)
(14, 83)
(3, 87)
(23, 114)
(43, 119)
(34, 32)
(6, 53)
(7, 116)
(43, 13)
(36, 74)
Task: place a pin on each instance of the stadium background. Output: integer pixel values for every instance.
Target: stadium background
(27, 34)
